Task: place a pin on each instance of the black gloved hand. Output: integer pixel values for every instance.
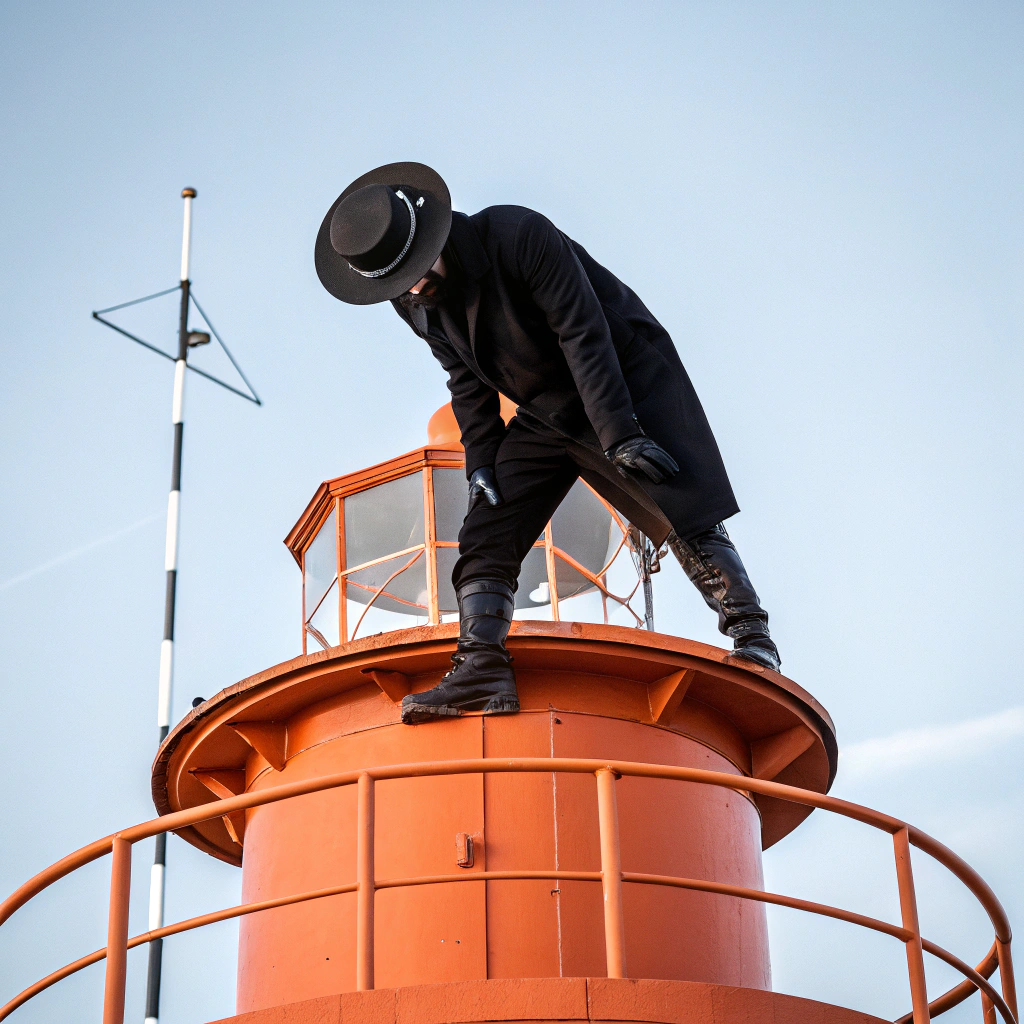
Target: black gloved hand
(642, 455)
(484, 484)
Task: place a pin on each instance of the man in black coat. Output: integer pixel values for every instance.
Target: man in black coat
(508, 304)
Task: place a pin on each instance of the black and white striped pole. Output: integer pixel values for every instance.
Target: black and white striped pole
(157, 879)
(186, 339)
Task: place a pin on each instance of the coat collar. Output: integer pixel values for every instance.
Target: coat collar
(474, 262)
(468, 247)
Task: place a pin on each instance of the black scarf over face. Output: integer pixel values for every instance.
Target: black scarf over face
(430, 296)
(438, 289)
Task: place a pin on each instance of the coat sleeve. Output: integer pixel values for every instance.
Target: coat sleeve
(561, 289)
(476, 406)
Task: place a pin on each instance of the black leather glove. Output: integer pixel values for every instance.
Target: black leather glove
(484, 484)
(642, 455)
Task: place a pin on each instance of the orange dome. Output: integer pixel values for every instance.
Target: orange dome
(443, 429)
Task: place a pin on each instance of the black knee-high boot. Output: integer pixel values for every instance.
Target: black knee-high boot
(481, 678)
(715, 568)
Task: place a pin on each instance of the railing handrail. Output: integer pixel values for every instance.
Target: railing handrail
(217, 808)
(958, 993)
(606, 771)
(945, 1002)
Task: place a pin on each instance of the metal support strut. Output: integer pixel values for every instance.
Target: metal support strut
(645, 559)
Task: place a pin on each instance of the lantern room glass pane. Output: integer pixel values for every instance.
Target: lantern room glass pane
(570, 580)
(446, 559)
(585, 530)
(406, 593)
(534, 591)
(451, 502)
(384, 519)
(325, 619)
(321, 563)
(379, 621)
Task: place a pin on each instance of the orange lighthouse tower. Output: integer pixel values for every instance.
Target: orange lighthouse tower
(596, 857)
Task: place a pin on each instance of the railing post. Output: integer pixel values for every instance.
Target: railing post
(611, 874)
(1006, 981)
(908, 908)
(988, 1011)
(117, 931)
(365, 878)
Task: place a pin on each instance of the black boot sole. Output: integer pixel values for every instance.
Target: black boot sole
(758, 657)
(413, 713)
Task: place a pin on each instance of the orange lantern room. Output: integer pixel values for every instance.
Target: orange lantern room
(377, 548)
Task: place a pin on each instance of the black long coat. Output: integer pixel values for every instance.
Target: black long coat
(572, 346)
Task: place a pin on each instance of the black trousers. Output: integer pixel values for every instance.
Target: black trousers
(535, 469)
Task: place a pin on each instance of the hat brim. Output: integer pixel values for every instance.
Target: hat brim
(433, 222)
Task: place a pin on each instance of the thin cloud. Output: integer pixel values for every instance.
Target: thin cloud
(69, 556)
(932, 743)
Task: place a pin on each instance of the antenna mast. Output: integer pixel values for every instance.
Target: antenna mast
(159, 870)
(186, 339)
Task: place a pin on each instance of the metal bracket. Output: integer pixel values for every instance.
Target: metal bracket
(666, 694)
(224, 783)
(395, 685)
(268, 739)
(464, 850)
(773, 754)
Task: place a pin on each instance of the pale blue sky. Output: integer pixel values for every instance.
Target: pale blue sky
(821, 201)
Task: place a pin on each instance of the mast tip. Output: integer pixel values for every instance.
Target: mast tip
(188, 193)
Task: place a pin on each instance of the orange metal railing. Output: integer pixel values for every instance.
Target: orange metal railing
(611, 876)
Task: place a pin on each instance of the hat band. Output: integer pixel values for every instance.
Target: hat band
(408, 242)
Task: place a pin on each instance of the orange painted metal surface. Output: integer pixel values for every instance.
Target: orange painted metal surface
(605, 785)
(117, 931)
(596, 857)
(678, 687)
(233, 805)
(586, 694)
(908, 910)
(452, 931)
(443, 428)
(559, 999)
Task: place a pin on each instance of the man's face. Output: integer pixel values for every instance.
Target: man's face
(429, 291)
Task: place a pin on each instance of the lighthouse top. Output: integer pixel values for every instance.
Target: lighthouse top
(377, 547)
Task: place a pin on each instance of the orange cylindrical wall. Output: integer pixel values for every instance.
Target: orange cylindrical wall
(495, 929)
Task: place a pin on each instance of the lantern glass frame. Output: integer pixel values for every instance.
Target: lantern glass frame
(422, 557)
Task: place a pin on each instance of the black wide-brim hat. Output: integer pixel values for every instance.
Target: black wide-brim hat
(383, 233)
